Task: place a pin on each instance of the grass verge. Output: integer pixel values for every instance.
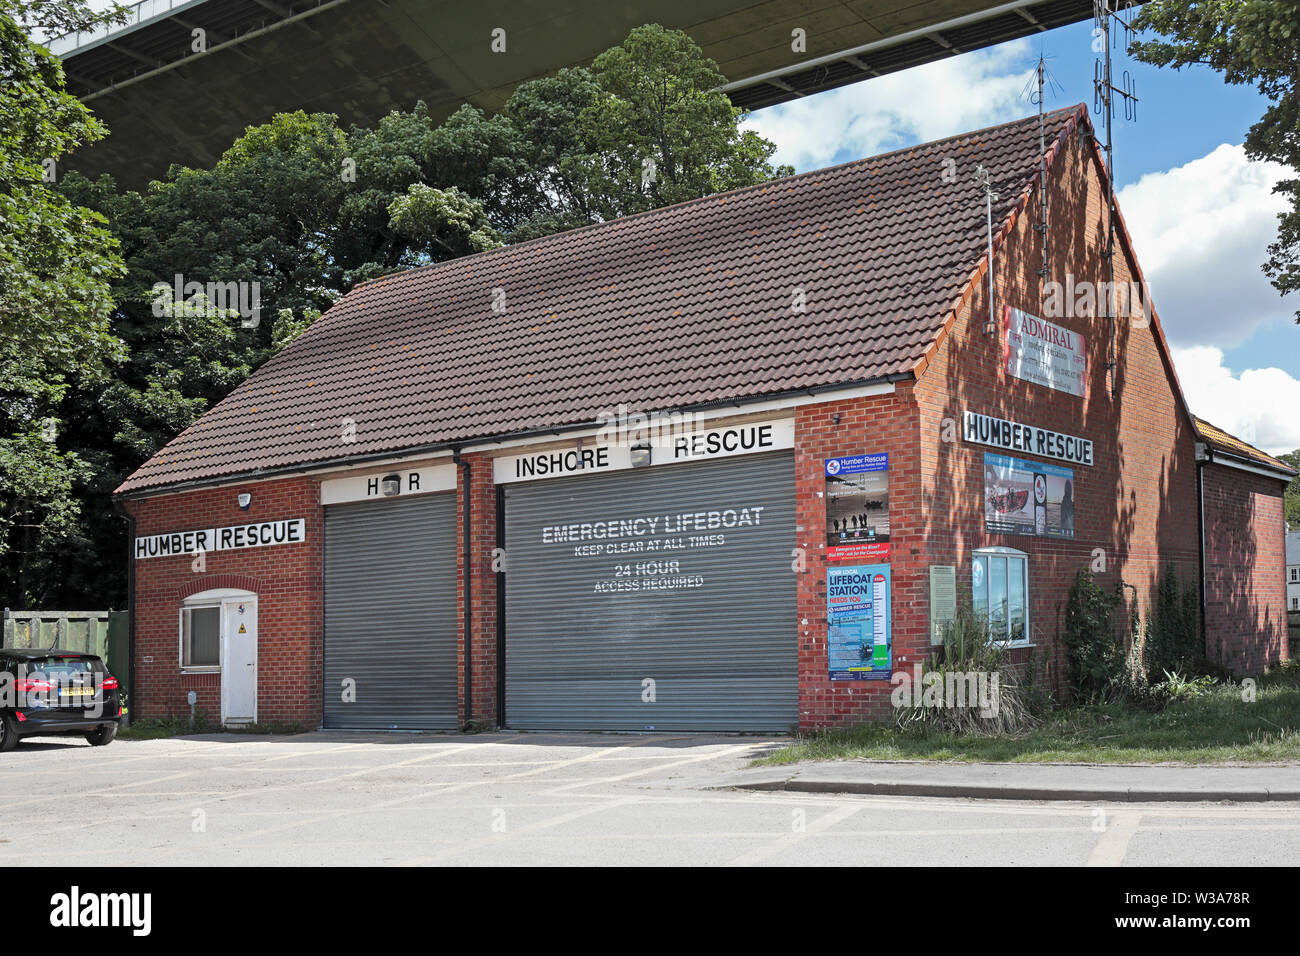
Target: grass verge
(154, 728)
(1214, 727)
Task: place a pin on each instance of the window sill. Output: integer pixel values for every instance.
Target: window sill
(199, 670)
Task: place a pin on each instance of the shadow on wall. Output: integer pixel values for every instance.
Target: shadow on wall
(1240, 633)
(1137, 531)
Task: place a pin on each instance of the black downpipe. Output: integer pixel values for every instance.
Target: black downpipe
(501, 609)
(465, 531)
(1200, 552)
(130, 608)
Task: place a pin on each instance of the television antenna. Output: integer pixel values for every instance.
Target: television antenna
(1036, 89)
(1108, 14)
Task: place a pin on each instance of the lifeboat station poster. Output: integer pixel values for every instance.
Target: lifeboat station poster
(858, 640)
(857, 508)
(1028, 497)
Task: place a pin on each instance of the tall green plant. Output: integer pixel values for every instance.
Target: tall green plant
(1173, 640)
(1095, 659)
(970, 686)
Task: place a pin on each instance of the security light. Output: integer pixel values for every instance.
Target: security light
(640, 456)
(391, 485)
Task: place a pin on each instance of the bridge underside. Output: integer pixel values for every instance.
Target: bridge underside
(361, 59)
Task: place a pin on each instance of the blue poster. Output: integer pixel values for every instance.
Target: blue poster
(857, 508)
(858, 640)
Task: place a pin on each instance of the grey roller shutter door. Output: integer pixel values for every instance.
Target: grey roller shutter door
(390, 613)
(723, 655)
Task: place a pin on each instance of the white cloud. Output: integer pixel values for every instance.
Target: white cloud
(1201, 231)
(1257, 405)
(928, 102)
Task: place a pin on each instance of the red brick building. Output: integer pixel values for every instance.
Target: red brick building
(727, 465)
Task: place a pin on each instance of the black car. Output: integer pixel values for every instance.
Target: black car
(46, 692)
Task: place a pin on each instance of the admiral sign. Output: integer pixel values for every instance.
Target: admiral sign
(254, 535)
(1014, 436)
(1038, 351)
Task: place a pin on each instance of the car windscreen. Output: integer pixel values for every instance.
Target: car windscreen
(63, 667)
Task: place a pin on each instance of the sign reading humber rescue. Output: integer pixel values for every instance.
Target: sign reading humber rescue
(1038, 351)
(255, 535)
(1012, 436)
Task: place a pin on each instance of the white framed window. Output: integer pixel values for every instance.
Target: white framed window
(201, 636)
(1295, 574)
(201, 623)
(1000, 592)
(1295, 604)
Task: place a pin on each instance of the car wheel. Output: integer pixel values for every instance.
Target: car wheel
(102, 736)
(8, 733)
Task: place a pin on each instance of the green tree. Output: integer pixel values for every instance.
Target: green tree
(1251, 42)
(662, 127)
(1292, 505)
(57, 262)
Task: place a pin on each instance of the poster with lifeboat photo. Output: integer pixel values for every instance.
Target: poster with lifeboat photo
(1027, 497)
(1043, 353)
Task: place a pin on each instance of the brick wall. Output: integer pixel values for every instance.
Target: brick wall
(885, 423)
(1245, 569)
(483, 588)
(1135, 506)
(286, 579)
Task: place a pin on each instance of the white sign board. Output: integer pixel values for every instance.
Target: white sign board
(1014, 436)
(695, 445)
(256, 534)
(409, 481)
(1038, 351)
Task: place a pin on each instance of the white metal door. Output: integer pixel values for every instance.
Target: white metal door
(239, 661)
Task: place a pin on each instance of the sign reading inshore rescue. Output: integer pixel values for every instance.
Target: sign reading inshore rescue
(858, 642)
(255, 535)
(1013, 436)
(1038, 351)
(695, 445)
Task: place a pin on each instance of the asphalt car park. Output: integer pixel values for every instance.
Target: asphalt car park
(335, 798)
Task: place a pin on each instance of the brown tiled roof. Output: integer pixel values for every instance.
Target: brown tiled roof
(685, 306)
(1218, 438)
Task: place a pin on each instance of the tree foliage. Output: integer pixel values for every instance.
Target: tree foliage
(1292, 458)
(1251, 42)
(57, 263)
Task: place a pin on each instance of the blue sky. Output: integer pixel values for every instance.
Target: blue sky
(1201, 215)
